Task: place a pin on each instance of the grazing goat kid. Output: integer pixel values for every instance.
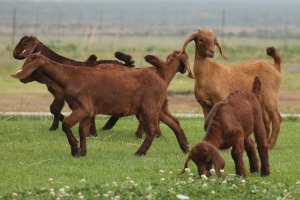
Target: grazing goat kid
(230, 124)
(215, 81)
(118, 92)
(30, 45)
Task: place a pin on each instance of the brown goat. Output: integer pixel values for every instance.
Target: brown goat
(30, 45)
(215, 81)
(230, 124)
(91, 91)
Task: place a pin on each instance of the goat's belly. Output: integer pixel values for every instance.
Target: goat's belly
(116, 110)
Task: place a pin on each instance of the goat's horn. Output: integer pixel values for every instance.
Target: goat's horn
(188, 40)
(220, 50)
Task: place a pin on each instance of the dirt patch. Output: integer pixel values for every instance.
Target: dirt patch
(289, 102)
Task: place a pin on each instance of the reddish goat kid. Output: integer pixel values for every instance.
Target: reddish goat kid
(230, 124)
(30, 45)
(118, 91)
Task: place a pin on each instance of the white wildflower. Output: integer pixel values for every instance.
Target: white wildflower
(161, 171)
(243, 181)
(149, 188)
(182, 197)
(213, 192)
(171, 191)
(204, 176)
(298, 183)
(52, 194)
(191, 174)
(81, 197)
(212, 170)
(117, 197)
(50, 180)
(162, 179)
(114, 184)
(170, 172)
(213, 180)
(204, 186)
(83, 181)
(191, 179)
(187, 170)
(14, 194)
(222, 170)
(67, 187)
(149, 197)
(224, 182)
(51, 190)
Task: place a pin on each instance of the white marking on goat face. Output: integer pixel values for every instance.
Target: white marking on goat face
(23, 51)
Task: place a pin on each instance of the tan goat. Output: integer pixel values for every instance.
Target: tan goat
(215, 81)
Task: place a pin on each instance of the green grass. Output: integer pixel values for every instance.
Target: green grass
(36, 164)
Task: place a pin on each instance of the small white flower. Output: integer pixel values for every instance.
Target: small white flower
(191, 179)
(171, 191)
(67, 187)
(162, 179)
(62, 192)
(204, 176)
(83, 181)
(50, 180)
(243, 181)
(224, 182)
(117, 198)
(114, 184)
(264, 190)
(187, 170)
(81, 197)
(170, 172)
(52, 194)
(51, 190)
(213, 180)
(298, 183)
(191, 174)
(149, 188)
(149, 197)
(233, 186)
(105, 195)
(213, 192)
(222, 170)
(128, 178)
(204, 186)
(79, 193)
(212, 170)
(14, 194)
(182, 197)
(161, 171)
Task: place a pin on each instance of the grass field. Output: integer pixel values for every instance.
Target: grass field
(37, 164)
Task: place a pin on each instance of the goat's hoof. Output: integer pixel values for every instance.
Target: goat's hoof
(140, 153)
(53, 128)
(185, 149)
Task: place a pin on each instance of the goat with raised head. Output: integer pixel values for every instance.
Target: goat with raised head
(91, 91)
(214, 81)
(230, 124)
(29, 45)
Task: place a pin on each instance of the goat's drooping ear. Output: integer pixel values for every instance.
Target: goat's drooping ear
(185, 165)
(220, 49)
(26, 71)
(188, 40)
(183, 58)
(217, 160)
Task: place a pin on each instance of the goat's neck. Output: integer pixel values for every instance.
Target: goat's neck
(214, 138)
(205, 67)
(169, 72)
(40, 47)
(59, 74)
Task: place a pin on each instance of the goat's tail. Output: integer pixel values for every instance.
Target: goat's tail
(271, 51)
(126, 58)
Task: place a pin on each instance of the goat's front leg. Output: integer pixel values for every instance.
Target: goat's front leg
(83, 131)
(251, 153)
(67, 124)
(56, 108)
(237, 155)
(166, 117)
(110, 123)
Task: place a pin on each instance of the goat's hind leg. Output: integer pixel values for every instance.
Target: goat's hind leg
(55, 109)
(110, 123)
(276, 121)
(251, 153)
(67, 124)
